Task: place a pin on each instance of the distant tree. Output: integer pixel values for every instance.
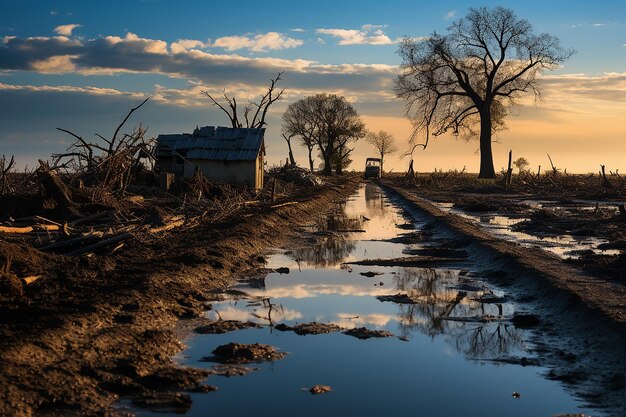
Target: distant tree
(469, 77)
(521, 163)
(299, 120)
(254, 112)
(384, 143)
(328, 122)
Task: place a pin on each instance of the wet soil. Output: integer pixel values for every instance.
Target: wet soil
(98, 328)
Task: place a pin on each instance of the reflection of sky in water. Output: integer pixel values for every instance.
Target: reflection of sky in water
(565, 246)
(427, 375)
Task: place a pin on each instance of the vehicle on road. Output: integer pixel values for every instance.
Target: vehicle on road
(372, 168)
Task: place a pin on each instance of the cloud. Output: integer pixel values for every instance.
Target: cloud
(133, 54)
(257, 43)
(183, 45)
(450, 15)
(53, 12)
(66, 30)
(297, 30)
(367, 35)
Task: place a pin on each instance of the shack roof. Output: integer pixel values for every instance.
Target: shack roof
(213, 143)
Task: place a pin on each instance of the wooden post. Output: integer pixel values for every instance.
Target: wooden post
(273, 189)
(166, 180)
(509, 171)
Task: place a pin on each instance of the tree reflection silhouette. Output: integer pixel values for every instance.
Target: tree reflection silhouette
(435, 301)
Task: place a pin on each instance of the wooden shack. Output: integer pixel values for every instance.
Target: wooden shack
(221, 154)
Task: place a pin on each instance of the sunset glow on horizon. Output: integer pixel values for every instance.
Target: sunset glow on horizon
(83, 65)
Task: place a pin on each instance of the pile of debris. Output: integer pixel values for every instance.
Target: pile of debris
(297, 175)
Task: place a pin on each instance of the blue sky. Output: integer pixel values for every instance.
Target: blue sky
(82, 64)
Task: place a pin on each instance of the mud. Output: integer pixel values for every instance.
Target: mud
(320, 389)
(96, 329)
(364, 333)
(225, 326)
(245, 353)
(309, 328)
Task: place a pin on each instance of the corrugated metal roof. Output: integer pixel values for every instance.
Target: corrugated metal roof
(217, 144)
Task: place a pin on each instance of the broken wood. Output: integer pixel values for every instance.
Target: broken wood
(179, 221)
(30, 279)
(88, 219)
(289, 203)
(55, 188)
(102, 244)
(72, 242)
(29, 229)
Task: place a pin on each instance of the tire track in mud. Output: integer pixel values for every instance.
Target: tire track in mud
(582, 335)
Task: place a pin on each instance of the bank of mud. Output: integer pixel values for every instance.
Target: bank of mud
(101, 328)
(582, 330)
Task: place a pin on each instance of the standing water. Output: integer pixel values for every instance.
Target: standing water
(453, 351)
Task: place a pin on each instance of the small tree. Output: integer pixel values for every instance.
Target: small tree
(470, 76)
(521, 163)
(384, 143)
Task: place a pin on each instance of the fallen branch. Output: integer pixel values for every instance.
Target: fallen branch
(102, 244)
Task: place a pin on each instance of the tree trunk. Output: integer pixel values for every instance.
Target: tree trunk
(328, 165)
(292, 161)
(486, 157)
(311, 158)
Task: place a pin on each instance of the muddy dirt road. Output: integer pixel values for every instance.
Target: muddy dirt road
(382, 309)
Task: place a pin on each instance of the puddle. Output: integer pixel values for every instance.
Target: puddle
(500, 225)
(451, 354)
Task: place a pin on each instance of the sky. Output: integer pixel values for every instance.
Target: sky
(81, 65)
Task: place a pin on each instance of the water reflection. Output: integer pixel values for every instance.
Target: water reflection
(437, 302)
(375, 377)
(325, 251)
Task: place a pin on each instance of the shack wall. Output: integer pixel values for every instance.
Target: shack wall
(241, 173)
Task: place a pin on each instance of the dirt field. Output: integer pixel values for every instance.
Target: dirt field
(97, 327)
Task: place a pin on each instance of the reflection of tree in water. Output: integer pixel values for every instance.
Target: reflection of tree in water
(326, 251)
(336, 220)
(374, 201)
(436, 302)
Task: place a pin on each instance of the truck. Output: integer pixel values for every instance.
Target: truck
(372, 168)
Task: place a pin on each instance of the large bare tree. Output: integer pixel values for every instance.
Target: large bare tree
(328, 122)
(469, 77)
(254, 112)
(384, 143)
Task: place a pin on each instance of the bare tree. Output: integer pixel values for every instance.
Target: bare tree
(292, 161)
(5, 168)
(384, 143)
(254, 112)
(109, 162)
(327, 121)
(472, 75)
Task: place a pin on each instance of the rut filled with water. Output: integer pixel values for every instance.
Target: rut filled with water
(434, 338)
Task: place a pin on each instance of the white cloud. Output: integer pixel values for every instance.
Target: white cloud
(257, 43)
(53, 12)
(151, 46)
(599, 24)
(58, 64)
(367, 35)
(70, 89)
(66, 30)
(183, 45)
(450, 15)
(297, 30)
